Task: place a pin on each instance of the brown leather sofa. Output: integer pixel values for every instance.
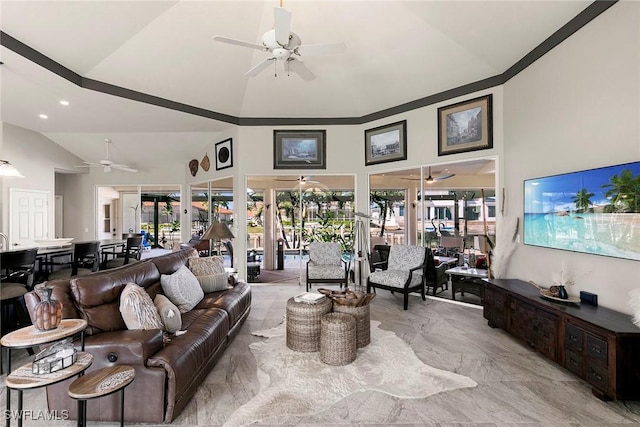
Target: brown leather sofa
(167, 373)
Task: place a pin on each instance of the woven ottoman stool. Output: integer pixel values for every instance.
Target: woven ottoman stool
(338, 339)
(363, 322)
(303, 324)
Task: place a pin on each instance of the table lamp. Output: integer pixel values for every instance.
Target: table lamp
(217, 231)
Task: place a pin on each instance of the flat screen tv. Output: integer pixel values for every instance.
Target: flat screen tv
(595, 211)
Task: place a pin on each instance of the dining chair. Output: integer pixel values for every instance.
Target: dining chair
(85, 260)
(17, 270)
(132, 253)
(326, 264)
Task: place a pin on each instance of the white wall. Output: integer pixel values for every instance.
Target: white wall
(80, 191)
(576, 108)
(37, 158)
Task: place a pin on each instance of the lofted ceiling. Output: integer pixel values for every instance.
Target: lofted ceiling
(397, 52)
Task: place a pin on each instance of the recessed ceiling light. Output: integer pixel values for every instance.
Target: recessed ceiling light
(64, 102)
(43, 116)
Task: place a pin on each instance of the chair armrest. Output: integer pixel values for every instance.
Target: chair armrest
(420, 267)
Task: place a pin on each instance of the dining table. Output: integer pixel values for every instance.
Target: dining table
(47, 253)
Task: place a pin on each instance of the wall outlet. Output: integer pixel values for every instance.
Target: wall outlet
(86, 229)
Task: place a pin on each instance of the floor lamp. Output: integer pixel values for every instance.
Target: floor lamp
(217, 231)
(361, 242)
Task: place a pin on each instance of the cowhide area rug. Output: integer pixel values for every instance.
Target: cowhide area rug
(293, 383)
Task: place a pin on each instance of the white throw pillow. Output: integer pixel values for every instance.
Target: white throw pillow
(213, 282)
(137, 309)
(206, 266)
(169, 313)
(182, 289)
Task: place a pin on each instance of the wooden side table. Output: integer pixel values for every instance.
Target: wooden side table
(100, 383)
(24, 379)
(29, 337)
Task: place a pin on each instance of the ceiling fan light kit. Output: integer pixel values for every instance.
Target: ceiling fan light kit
(286, 46)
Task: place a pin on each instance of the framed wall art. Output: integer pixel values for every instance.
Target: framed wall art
(386, 143)
(465, 126)
(299, 149)
(224, 154)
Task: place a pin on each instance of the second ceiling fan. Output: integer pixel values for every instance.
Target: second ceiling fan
(284, 45)
(431, 179)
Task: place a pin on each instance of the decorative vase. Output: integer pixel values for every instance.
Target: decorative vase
(562, 292)
(48, 311)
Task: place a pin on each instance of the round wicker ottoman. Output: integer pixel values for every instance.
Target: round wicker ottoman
(338, 339)
(363, 322)
(303, 324)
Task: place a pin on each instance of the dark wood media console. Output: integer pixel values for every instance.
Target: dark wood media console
(600, 345)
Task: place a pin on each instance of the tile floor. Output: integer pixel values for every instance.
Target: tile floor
(516, 387)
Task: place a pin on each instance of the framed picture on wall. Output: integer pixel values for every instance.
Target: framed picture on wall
(299, 149)
(224, 154)
(386, 143)
(465, 126)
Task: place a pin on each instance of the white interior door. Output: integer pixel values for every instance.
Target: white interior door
(29, 216)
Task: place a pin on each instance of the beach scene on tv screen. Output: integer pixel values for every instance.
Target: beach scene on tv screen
(595, 211)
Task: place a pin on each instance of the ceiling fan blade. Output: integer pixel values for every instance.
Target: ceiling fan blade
(124, 168)
(282, 25)
(440, 178)
(261, 66)
(300, 69)
(239, 42)
(321, 49)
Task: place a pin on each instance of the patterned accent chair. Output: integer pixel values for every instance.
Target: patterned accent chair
(326, 265)
(406, 272)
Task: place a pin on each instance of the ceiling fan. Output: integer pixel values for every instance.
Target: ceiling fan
(107, 164)
(431, 179)
(301, 179)
(284, 45)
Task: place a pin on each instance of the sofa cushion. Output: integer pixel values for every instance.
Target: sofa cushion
(189, 357)
(97, 295)
(182, 288)
(137, 309)
(235, 301)
(169, 313)
(169, 263)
